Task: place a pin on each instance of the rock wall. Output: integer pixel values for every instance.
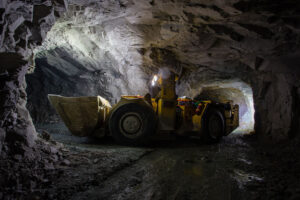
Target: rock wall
(276, 92)
(23, 26)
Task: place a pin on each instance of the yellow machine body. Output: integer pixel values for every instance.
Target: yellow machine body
(166, 108)
(190, 113)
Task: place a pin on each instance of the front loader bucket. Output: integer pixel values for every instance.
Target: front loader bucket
(82, 115)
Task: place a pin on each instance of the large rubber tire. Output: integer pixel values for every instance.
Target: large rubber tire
(133, 124)
(214, 126)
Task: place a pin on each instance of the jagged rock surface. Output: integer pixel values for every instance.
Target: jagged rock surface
(23, 26)
(255, 43)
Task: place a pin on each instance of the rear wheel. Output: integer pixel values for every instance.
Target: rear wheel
(214, 126)
(133, 124)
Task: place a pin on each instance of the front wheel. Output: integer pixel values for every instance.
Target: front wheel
(133, 124)
(214, 126)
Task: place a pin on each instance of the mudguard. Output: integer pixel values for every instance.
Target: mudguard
(128, 99)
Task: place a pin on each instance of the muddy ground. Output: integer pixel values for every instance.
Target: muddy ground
(84, 168)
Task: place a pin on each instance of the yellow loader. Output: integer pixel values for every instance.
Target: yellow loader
(134, 120)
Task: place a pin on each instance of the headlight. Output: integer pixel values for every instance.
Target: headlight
(155, 78)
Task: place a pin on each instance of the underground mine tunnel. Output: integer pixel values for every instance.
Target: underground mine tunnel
(224, 73)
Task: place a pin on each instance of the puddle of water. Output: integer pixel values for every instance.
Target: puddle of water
(245, 161)
(242, 178)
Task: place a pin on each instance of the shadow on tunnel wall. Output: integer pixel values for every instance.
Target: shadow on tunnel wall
(73, 79)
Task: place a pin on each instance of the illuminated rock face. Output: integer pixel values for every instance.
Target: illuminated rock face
(113, 47)
(23, 26)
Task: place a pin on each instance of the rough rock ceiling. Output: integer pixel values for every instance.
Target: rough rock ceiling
(198, 33)
(233, 38)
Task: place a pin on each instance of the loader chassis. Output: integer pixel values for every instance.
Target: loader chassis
(135, 119)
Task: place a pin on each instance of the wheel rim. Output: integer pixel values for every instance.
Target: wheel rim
(131, 124)
(215, 126)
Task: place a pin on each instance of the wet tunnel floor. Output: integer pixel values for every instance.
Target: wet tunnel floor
(176, 169)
